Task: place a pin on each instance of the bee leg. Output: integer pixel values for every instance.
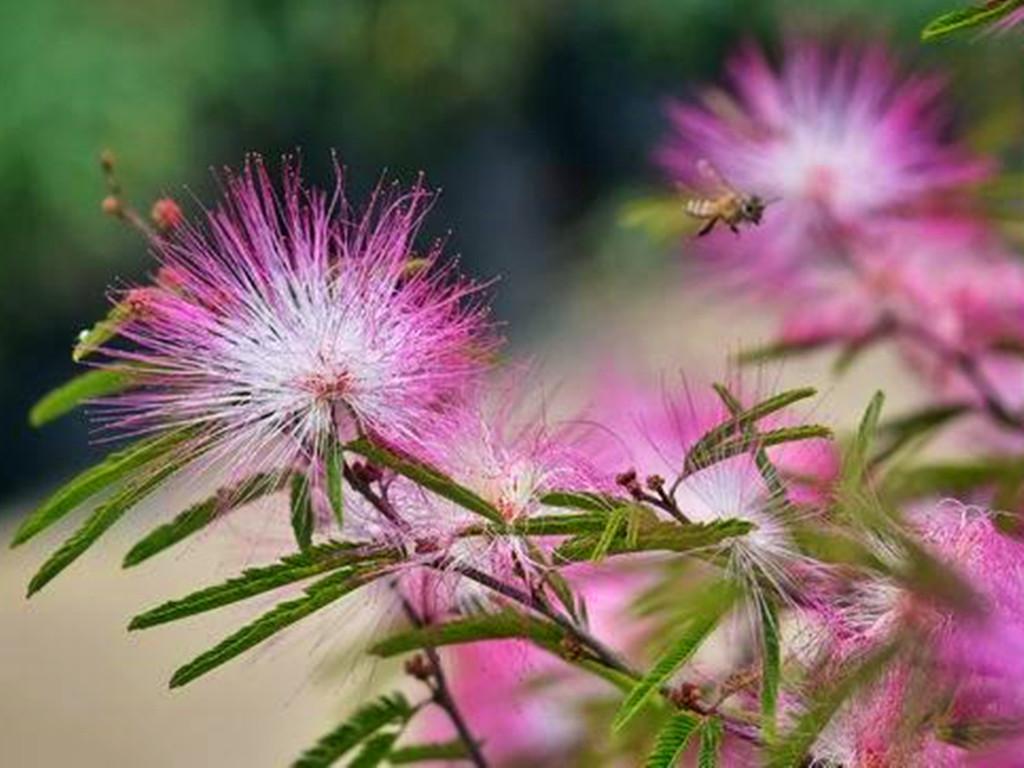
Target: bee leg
(710, 225)
(734, 228)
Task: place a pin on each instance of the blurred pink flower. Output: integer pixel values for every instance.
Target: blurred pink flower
(836, 138)
(947, 276)
(288, 319)
(974, 664)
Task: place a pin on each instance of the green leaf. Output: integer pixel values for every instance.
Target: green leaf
(758, 441)
(792, 748)
(198, 516)
(779, 350)
(953, 478)
(427, 477)
(420, 753)
(663, 536)
(855, 462)
(899, 432)
(361, 725)
(672, 740)
(710, 743)
(102, 518)
(967, 18)
(615, 520)
(336, 482)
(116, 467)
(851, 352)
(314, 561)
(558, 584)
(771, 667)
(486, 626)
(769, 472)
(317, 596)
(977, 734)
(375, 750)
(708, 610)
(833, 545)
(588, 502)
(302, 511)
(91, 339)
(86, 386)
(707, 444)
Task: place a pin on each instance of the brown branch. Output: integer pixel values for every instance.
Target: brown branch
(442, 694)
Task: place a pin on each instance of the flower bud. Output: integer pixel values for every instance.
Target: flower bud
(166, 214)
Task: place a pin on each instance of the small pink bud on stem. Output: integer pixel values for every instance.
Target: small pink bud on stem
(166, 214)
(111, 206)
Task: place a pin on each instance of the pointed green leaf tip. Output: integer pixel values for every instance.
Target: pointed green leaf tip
(855, 463)
(364, 723)
(116, 467)
(968, 18)
(318, 595)
(314, 561)
(704, 450)
(84, 387)
(302, 511)
(198, 516)
(96, 525)
(91, 339)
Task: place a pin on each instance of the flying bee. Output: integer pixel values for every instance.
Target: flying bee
(725, 203)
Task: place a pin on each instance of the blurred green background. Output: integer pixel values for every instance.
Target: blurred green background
(535, 117)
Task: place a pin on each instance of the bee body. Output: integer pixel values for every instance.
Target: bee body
(729, 206)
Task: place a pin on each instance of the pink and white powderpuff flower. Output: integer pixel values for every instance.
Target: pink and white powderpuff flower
(972, 664)
(655, 432)
(285, 318)
(503, 448)
(835, 139)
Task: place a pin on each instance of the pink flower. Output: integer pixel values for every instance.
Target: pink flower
(972, 664)
(286, 319)
(837, 139)
(655, 432)
(949, 276)
(504, 450)
(945, 290)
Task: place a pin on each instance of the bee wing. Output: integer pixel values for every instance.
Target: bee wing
(716, 182)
